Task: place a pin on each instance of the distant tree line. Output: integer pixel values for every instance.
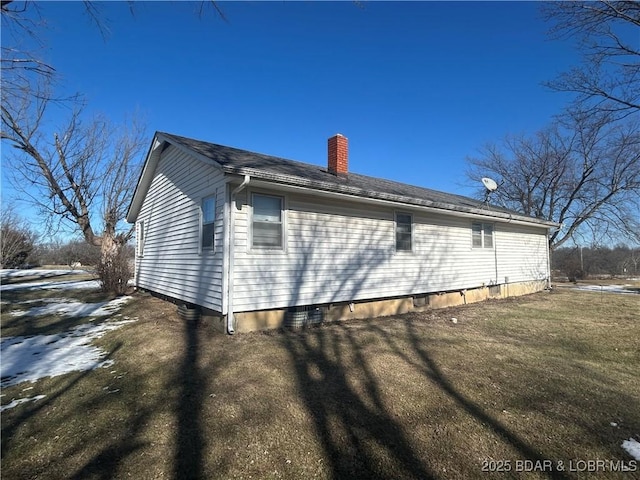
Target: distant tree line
(578, 263)
(17, 240)
(27, 253)
(21, 247)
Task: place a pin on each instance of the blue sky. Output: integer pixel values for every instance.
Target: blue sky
(415, 86)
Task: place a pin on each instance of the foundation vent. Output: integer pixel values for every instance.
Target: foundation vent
(303, 316)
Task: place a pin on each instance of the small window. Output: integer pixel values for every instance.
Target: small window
(403, 232)
(267, 227)
(208, 218)
(140, 238)
(476, 235)
(482, 235)
(487, 235)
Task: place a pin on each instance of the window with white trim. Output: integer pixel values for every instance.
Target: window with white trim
(482, 235)
(207, 221)
(267, 227)
(140, 236)
(404, 232)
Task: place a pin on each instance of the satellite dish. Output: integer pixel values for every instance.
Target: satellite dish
(489, 184)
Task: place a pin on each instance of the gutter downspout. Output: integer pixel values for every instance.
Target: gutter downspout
(495, 253)
(548, 261)
(232, 237)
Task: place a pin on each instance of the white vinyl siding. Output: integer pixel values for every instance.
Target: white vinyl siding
(521, 252)
(172, 264)
(345, 251)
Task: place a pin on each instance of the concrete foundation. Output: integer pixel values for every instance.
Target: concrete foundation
(270, 319)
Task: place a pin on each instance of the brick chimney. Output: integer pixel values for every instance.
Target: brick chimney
(338, 155)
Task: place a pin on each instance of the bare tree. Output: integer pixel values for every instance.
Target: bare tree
(17, 239)
(20, 40)
(607, 35)
(82, 173)
(582, 172)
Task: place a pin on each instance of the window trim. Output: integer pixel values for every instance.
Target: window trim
(411, 232)
(140, 238)
(283, 224)
(212, 249)
(484, 226)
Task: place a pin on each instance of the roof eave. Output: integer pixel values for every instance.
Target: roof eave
(357, 192)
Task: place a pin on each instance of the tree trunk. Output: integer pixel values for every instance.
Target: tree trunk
(113, 268)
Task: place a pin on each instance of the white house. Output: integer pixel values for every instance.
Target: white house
(259, 241)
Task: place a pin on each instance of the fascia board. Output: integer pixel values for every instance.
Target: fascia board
(355, 194)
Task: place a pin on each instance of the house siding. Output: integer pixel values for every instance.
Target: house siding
(172, 263)
(341, 252)
(522, 254)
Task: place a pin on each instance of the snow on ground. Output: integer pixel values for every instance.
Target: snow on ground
(15, 273)
(28, 358)
(33, 357)
(69, 285)
(18, 401)
(632, 447)
(70, 308)
(606, 288)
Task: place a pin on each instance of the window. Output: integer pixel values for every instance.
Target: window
(267, 227)
(208, 218)
(487, 235)
(482, 235)
(403, 232)
(140, 238)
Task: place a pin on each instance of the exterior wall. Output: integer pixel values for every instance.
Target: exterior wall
(171, 263)
(345, 252)
(522, 253)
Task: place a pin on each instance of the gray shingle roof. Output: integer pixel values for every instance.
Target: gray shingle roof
(280, 170)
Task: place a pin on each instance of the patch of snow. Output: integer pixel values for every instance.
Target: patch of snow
(15, 403)
(606, 289)
(53, 285)
(15, 273)
(45, 300)
(74, 309)
(34, 357)
(68, 285)
(632, 447)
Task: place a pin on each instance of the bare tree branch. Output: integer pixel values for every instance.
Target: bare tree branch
(607, 33)
(583, 172)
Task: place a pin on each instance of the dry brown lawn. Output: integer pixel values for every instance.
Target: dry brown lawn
(551, 377)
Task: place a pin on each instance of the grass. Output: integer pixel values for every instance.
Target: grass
(541, 377)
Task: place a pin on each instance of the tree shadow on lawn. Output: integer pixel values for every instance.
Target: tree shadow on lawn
(192, 384)
(186, 390)
(28, 326)
(359, 433)
(160, 401)
(59, 387)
